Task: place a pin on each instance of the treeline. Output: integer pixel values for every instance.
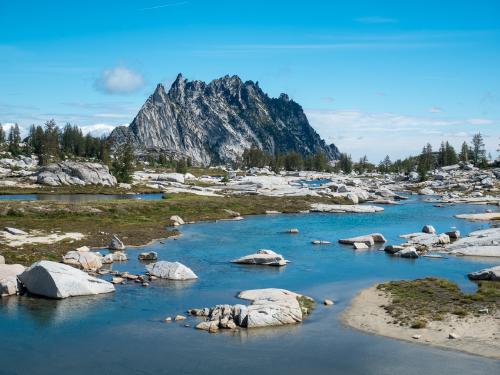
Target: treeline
(428, 160)
(474, 153)
(51, 143)
(291, 161)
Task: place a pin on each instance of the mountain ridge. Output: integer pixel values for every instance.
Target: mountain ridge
(215, 122)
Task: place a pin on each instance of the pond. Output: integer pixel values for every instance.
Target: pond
(125, 332)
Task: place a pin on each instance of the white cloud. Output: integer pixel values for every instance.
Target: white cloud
(98, 130)
(386, 133)
(119, 80)
(435, 109)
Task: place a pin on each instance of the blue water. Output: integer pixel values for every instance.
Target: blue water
(77, 197)
(125, 333)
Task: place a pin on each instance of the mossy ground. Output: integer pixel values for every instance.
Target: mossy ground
(307, 304)
(417, 302)
(136, 222)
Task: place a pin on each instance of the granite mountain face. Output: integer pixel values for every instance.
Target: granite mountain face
(214, 123)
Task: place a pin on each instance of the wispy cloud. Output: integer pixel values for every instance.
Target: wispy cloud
(378, 134)
(165, 5)
(376, 20)
(435, 109)
(119, 80)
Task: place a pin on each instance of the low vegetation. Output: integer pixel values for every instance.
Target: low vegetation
(137, 222)
(416, 303)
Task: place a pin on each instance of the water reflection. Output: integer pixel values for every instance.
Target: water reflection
(46, 312)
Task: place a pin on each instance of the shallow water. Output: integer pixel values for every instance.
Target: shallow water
(124, 332)
(77, 197)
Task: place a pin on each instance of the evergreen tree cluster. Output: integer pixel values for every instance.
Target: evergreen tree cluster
(50, 143)
(291, 161)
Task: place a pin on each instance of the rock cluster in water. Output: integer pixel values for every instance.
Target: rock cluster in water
(269, 307)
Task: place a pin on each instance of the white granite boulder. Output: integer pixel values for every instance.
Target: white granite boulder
(57, 280)
(171, 271)
(85, 260)
(269, 307)
(262, 257)
(75, 173)
(369, 239)
(8, 278)
(116, 243)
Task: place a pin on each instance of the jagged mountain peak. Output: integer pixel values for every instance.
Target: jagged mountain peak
(215, 122)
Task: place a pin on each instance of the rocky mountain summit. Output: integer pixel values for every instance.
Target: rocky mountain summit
(215, 122)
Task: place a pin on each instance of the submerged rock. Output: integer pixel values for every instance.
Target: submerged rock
(262, 257)
(57, 280)
(171, 271)
(151, 255)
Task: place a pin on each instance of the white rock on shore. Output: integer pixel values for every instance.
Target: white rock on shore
(8, 278)
(75, 173)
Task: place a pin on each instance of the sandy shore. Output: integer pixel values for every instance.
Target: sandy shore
(476, 335)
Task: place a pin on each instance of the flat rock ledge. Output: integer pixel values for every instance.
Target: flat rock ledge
(481, 243)
(474, 335)
(268, 308)
(344, 208)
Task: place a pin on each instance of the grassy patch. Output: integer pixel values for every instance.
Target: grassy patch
(307, 304)
(87, 189)
(136, 222)
(414, 303)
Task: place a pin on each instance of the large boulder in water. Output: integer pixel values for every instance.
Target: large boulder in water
(171, 271)
(75, 173)
(57, 280)
(269, 307)
(262, 257)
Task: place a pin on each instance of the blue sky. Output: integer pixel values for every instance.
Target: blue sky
(374, 77)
